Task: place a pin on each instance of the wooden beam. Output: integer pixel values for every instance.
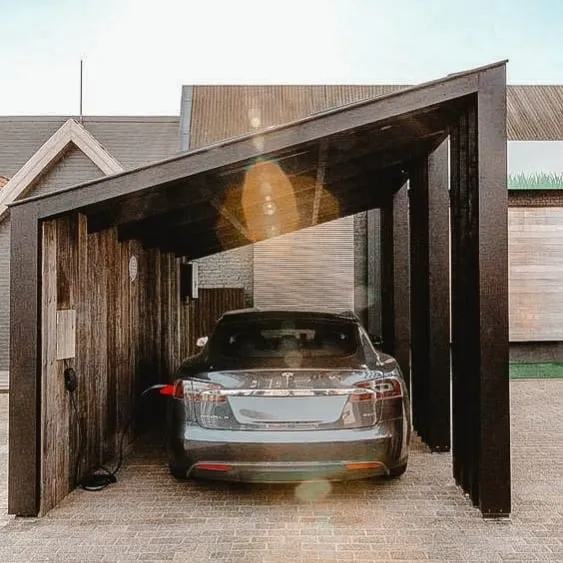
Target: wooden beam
(430, 348)
(178, 217)
(192, 221)
(229, 216)
(223, 240)
(244, 150)
(481, 416)
(174, 203)
(465, 303)
(401, 269)
(439, 430)
(395, 281)
(494, 438)
(25, 388)
(374, 296)
(319, 181)
(223, 237)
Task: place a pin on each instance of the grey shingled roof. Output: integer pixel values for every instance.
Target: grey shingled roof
(133, 141)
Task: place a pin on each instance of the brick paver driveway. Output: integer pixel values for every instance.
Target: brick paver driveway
(148, 516)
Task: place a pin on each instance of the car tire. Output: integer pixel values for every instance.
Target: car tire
(178, 472)
(396, 472)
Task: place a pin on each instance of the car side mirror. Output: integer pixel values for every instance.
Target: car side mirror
(201, 341)
(376, 340)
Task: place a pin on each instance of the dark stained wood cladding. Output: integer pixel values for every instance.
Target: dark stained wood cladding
(203, 312)
(222, 112)
(128, 337)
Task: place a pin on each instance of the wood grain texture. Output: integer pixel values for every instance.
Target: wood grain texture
(202, 313)
(66, 334)
(536, 273)
(126, 339)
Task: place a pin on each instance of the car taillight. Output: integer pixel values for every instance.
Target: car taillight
(388, 393)
(202, 391)
(193, 390)
(384, 388)
(175, 389)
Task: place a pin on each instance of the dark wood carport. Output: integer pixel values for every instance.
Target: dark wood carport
(327, 166)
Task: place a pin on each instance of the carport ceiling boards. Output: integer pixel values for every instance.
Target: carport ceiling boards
(329, 165)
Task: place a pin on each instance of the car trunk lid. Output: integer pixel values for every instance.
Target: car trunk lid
(282, 399)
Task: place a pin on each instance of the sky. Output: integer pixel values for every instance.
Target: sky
(137, 54)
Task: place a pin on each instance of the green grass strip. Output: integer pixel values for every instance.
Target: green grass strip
(538, 181)
(539, 370)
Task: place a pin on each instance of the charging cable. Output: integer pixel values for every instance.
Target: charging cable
(97, 478)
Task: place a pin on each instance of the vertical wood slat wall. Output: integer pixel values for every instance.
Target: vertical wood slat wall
(127, 337)
(203, 312)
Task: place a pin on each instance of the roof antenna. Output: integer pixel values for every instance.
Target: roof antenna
(81, 118)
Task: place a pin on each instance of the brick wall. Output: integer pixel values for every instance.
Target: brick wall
(232, 268)
(535, 198)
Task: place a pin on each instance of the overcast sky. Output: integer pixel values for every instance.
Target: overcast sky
(138, 53)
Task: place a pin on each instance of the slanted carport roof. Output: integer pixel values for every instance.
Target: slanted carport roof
(338, 162)
(326, 166)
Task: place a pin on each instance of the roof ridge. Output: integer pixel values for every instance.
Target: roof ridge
(71, 132)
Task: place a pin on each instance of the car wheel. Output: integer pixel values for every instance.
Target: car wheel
(178, 472)
(396, 472)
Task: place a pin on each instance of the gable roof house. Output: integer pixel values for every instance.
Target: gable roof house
(39, 155)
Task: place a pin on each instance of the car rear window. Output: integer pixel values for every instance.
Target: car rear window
(277, 338)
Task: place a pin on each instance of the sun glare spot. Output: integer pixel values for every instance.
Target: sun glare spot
(313, 491)
(259, 142)
(254, 117)
(268, 201)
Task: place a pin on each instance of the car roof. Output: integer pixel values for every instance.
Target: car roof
(256, 313)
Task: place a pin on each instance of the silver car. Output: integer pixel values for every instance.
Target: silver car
(288, 396)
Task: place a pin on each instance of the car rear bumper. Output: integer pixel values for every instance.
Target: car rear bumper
(286, 456)
(287, 472)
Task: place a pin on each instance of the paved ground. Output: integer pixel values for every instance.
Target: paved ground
(148, 516)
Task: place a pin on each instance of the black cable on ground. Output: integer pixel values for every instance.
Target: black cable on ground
(98, 478)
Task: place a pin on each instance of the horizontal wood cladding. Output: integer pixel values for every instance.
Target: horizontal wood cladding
(536, 273)
(311, 268)
(222, 112)
(127, 337)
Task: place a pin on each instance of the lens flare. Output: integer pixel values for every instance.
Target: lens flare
(313, 491)
(254, 117)
(268, 201)
(259, 142)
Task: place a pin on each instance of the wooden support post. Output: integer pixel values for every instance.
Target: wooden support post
(374, 272)
(25, 389)
(401, 279)
(430, 348)
(481, 409)
(494, 438)
(465, 303)
(395, 280)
